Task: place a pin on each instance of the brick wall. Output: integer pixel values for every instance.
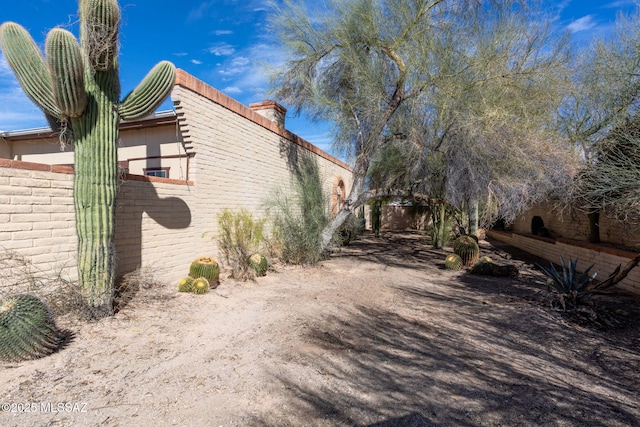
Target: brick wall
(606, 259)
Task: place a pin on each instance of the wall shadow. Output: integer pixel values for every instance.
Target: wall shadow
(135, 198)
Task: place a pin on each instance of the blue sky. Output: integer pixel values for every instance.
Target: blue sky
(224, 43)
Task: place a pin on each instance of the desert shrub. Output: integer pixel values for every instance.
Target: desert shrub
(239, 237)
(300, 216)
(18, 275)
(353, 226)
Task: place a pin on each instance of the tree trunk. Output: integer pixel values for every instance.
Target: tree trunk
(594, 226)
(473, 217)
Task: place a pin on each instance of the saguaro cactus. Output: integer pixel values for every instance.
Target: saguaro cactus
(78, 88)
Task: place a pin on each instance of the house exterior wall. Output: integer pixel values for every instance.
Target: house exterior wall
(226, 156)
(241, 156)
(139, 148)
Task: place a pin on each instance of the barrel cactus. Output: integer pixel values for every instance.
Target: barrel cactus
(206, 267)
(77, 86)
(200, 286)
(453, 262)
(27, 330)
(258, 263)
(185, 284)
(484, 267)
(467, 248)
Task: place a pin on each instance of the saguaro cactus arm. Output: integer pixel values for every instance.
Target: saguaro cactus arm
(29, 66)
(67, 72)
(150, 93)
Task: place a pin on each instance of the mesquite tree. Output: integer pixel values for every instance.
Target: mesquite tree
(78, 88)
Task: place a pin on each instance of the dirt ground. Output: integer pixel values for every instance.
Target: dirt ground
(378, 335)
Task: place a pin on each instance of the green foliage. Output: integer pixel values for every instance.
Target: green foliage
(453, 262)
(200, 286)
(467, 248)
(300, 218)
(258, 263)
(27, 330)
(205, 267)
(239, 236)
(78, 88)
(353, 226)
(185, 284)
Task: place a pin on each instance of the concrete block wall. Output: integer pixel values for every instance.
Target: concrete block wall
(154, 220)
(574, 225)
(155, 226)
(606, 259)
(240, 155)
(37, 218)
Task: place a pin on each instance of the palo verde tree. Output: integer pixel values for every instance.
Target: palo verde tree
(355, 64)
(603, 96)
(77, 86)
(480, 131)
(420, 107)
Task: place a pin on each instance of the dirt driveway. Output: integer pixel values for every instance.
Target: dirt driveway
(379, 335)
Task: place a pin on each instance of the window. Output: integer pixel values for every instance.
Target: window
(158, 172)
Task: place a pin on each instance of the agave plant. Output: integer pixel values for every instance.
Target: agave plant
(570, 285)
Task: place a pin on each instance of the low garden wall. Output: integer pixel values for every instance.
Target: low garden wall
(605, 258)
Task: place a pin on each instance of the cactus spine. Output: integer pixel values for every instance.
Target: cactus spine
(27, 330)
(78, 86)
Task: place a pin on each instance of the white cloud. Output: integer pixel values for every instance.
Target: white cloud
(200, 11)
(232, 90)
(223, 32)
(179, 54)
(620, 3)
(221, 49)
(196, 62)
(582, 24)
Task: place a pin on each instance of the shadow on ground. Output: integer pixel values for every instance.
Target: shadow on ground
(463, 351)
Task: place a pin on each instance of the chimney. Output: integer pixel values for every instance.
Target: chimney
(271, 110)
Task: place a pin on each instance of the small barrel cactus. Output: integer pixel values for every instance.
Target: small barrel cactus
(258, 263)
(206, 267)
(484, 267)
(27, 330)
(467, 248)
(185, 284)
(200, 286)
(453, 262)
